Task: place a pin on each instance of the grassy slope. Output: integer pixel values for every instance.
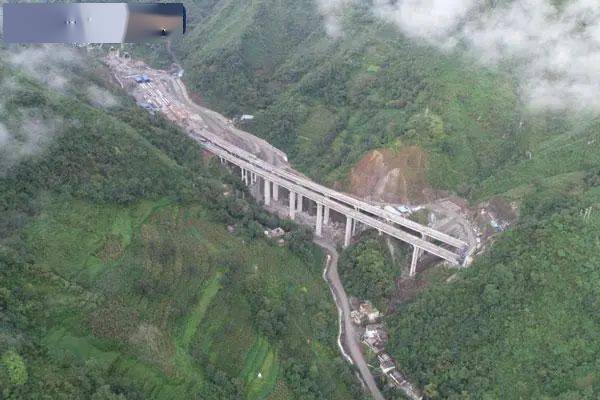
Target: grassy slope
(117, 269)
(186, 314)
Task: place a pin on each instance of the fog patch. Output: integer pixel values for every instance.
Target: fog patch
(28, 132)
(331, 11)
(4, 137)
(25, 138)
(2, 17)
(48, 64)
(101, 97)
(555, 50)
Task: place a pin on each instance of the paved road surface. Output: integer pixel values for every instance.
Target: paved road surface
(350, 340)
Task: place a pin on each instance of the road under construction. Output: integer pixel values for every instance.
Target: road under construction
(259, 163)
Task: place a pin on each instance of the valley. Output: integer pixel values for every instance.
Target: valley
(170, 97)
(306, 200)
(119, 277)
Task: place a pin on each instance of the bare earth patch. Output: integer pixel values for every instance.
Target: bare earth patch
(388, 176)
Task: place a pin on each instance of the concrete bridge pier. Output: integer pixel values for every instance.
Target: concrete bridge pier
(292, 205)
(275, 191)
(326, 216)
(348, 235)
(267, 192)
(413, 262)
(245, 176)
(319, 230)
(300, 201)
(415, 258)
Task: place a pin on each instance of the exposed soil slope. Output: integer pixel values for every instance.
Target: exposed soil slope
(389, 176)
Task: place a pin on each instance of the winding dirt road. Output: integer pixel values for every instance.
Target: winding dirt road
(348, 335)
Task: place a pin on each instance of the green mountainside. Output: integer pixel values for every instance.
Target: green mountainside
(326, 102)
(119, 278)
(521, 322)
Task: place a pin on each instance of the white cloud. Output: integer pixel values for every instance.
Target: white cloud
(331, 11)
(429, 19)
(101, 97)
(49, 64)
(32, 137)
(25, 133)
(557, 50)
(4, 136)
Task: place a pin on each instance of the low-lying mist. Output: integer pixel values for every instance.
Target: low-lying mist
(554, 46)
(25, 132)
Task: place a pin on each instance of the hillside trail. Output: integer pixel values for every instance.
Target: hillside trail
(347, 334)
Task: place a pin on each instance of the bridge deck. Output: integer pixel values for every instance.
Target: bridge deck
(334, 205)
(337, 196)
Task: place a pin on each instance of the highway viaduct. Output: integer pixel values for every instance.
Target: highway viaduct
(422, 238)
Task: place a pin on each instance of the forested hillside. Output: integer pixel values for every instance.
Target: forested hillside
(327, 101)
(521, 322)
(118, 276)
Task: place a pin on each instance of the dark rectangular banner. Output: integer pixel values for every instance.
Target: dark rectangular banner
(91, 22)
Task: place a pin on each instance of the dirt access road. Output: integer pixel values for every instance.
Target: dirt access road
(347, 328)
(223, 127)
(169, 95)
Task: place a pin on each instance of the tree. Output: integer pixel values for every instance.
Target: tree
(15, 367)
(105, 393)
(431, 391)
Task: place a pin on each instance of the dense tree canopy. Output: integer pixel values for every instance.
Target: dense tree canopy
(522, 321)
(368, 271)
